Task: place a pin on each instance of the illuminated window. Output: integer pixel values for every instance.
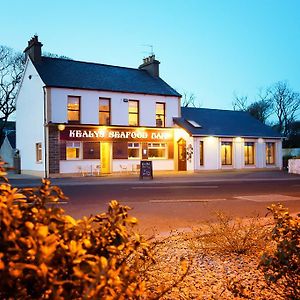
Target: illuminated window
(270, 153)
(201, 155)
(133, 110)
(249, 153)
(226, 153)
(104, 111)
(73, 109)
(73, 150)
(133, 150)
(160, 114)
(157, 150)
(38, 151)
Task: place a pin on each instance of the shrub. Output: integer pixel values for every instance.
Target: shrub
(230, 235)
(46, 254)
(281, 265)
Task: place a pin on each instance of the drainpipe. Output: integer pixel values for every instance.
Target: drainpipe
(45, 134)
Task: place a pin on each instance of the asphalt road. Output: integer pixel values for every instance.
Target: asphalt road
(168, 206)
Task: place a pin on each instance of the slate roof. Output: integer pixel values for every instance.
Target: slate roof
(65, 73)
(216, 122)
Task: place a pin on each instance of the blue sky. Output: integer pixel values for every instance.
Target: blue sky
(210, 48)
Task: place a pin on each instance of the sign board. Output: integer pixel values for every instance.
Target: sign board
(146, 169)
(110, 134)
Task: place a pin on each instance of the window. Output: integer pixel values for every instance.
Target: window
(73, 109)
(157, 150)
(133, 110)
(133, 150)
(270, 153)
(160, 114)
(226, 153)
(73, 150)
(38, 152)
(104, 111)
(201, 156)
(249, 153)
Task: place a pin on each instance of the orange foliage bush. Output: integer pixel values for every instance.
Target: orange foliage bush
(46, 254)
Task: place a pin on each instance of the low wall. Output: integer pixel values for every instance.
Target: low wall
(294, 166)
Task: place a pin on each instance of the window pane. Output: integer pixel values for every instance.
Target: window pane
(72, 150)
(157, 150)
(270, 153)
(249, 153)
(133, 120)
(104, 104)
(226, 153)
(73, 108)
(133, 106)
(201, 153)
(73, 115)
(104, 118)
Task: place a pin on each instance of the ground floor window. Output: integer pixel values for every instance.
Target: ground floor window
(249, 153)
(73, 150)
(134, 150)
(157, 150)
(226, 153)
(270, 153)
(201, 156)
(38, 151)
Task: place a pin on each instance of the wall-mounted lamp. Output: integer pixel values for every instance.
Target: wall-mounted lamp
(125, 100)
(61, 127)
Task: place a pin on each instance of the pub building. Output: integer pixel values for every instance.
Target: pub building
(80, 118)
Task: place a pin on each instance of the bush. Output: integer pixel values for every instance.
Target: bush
(230, 235)
(281, 264)
(46, 254)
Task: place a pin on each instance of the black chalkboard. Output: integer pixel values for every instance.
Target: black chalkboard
(146, 169)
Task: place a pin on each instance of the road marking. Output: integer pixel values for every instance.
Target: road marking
(175, 187)
(184, 200)
(267, 198)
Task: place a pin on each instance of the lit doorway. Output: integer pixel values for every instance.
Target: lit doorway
(105, 149)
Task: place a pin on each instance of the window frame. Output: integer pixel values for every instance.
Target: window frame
(131, 145)
(150, 146)
(72, 110)
(134, 113)
(164, 114)
(201, 153)
(80, 150)
(38, 153)
(227, 143)
(246, 149)
(273, 149)
(104, 111)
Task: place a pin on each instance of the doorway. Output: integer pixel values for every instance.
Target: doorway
(105, 149)
(181, 155)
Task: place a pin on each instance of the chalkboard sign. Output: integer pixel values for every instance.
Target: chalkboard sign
(146, 169)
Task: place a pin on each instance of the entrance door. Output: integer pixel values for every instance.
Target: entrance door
(105, 157)
(181, 155)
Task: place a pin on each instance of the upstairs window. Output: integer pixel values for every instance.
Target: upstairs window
(133, 111)
(104, 111)
(160, 114)
(73, 109)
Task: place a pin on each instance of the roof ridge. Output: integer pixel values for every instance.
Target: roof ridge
(91, 63)
(219, 109)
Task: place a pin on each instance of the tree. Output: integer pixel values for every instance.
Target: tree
(286, 103)
(11, 68)
(260, 109)
(189, 100)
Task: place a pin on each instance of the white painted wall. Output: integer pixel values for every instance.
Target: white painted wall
(119, 108)
(30, 120)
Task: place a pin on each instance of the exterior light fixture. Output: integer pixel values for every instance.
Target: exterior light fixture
(61, 127)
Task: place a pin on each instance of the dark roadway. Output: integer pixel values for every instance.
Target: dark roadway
(180, 205)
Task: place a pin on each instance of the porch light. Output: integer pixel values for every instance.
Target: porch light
(61, 127)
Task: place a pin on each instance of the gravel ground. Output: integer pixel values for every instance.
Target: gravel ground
(210, 274)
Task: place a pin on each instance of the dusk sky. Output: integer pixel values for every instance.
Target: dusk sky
(210, 48)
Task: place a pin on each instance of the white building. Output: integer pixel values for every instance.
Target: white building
(77, 117)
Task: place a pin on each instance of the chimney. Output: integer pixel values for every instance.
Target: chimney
(151, 65)
(34, 49)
